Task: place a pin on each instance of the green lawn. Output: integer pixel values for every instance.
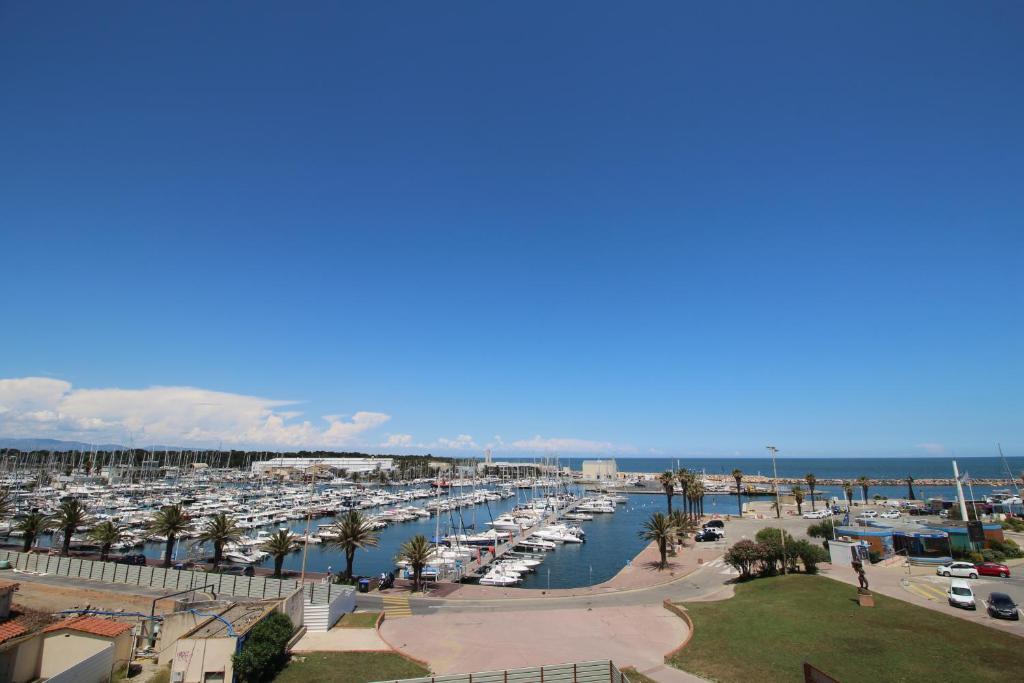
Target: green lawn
(771, 626)
(348, 667)
(635, 676)
(358, 620)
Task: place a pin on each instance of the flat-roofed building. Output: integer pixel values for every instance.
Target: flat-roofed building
(303, 463)
(599, 470)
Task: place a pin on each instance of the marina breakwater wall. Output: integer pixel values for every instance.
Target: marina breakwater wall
(173, 579)
(650, 477)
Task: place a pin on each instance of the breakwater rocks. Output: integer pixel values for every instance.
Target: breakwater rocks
(828, 481)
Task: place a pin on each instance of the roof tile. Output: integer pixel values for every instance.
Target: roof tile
(94, 625)
(11, 629)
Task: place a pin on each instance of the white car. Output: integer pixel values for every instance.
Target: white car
(960, 594)
(964, 570)
(868, 513)
(817, 514)
(891, 514)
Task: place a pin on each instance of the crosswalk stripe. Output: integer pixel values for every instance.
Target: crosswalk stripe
(397, 606)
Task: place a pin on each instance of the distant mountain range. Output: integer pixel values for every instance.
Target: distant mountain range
(58, 445)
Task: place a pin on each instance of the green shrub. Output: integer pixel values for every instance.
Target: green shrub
(1014, 524)
(744, 557)
(874, 556)
(770, 544)
(263, 654)
(975, 557)
(1007, 548)
(822, 529)
(810, 555)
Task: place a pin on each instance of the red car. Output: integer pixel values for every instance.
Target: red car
(993, 569)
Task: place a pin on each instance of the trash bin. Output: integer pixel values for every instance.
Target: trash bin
(364, 585)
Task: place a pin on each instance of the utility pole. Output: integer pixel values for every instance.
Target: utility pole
(778, 505)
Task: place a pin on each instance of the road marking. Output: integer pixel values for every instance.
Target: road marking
(397, 606)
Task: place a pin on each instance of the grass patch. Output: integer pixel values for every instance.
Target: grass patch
(348, 667)
(635, 676)
(771, 626)
(358, 620)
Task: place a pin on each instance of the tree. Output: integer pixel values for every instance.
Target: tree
(70, 515)
(264, 655)
(910, 488)
(106, 534)
(812, 481)
(824, 529)
(278, 546)
(698, 492)
(848, 492)
(668, 485)
(798, 496)
(743, 556)
(737, 474)
(31, 526)
(775, 545)
(219, 530)
(416, 551)
(864, 483)
(659, 528)
(810, 555)
(353, 532)
(169, 522)
(686, 481)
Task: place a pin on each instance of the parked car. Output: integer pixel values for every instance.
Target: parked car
(817, 514)
(130, 559)
(1002, 606)
(964, 570)
(715, 524)
(993, 569)
(868, 513)
(708, 535)
(960, 594)
(891, 514)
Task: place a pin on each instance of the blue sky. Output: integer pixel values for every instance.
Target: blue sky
(585, 228)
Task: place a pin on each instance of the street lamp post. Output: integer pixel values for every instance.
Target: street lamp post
(778, 505)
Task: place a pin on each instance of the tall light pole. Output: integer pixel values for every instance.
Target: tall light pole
(778, 504)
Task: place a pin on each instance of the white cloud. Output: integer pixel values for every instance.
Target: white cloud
(568, 445)
(463, 442)
(398, 441)
(932, 448)
(43, 407)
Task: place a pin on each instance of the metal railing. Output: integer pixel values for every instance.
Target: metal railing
(601, 671)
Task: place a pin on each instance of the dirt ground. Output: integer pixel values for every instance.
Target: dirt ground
(48, 598)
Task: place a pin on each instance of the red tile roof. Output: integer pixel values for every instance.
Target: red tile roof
(7, 587)
(11, 629)
(94, 625)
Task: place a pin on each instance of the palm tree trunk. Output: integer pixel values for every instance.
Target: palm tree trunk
(278, 562)
(104, 552)
(739, 498)
(350, 556)
(66, 547)
(218, 550)
(812, 497)
(664, 552)
(28, 542)
(168, 551)
(668, 501)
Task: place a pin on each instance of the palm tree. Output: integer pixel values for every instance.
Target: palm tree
(220, 529)
(848, 490)
(698, 491)
(278, 546)
(659, 528)
(353, 532)
(69, 516)
(864, 484)
(668, 485)
(798, 496)
(416, 551)
(812, 481)
(910, 488)
(31, 526)
(737, 474)
(107, 534)
(685, 479)
(169, 522)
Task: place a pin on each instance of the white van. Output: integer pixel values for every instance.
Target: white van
(960, 594)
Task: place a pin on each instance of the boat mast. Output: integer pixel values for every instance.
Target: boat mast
(1006, 466)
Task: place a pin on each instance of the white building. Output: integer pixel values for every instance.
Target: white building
(600, 469)
(347, 464)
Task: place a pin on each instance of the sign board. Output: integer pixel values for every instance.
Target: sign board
(815, 675)
(975, 532)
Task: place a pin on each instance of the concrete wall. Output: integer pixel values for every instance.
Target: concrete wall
(20, 663)
(63, 648)
(294, 607)
(197, 656)
(174, 626)
(93, 669)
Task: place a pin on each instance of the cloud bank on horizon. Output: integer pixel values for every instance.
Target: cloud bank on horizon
(43, 407)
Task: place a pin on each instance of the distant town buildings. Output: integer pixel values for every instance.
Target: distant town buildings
(598, 470)
(349, 465)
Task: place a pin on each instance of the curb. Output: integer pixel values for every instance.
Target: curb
(682, 614)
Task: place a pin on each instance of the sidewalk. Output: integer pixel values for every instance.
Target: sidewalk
(341, 640)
